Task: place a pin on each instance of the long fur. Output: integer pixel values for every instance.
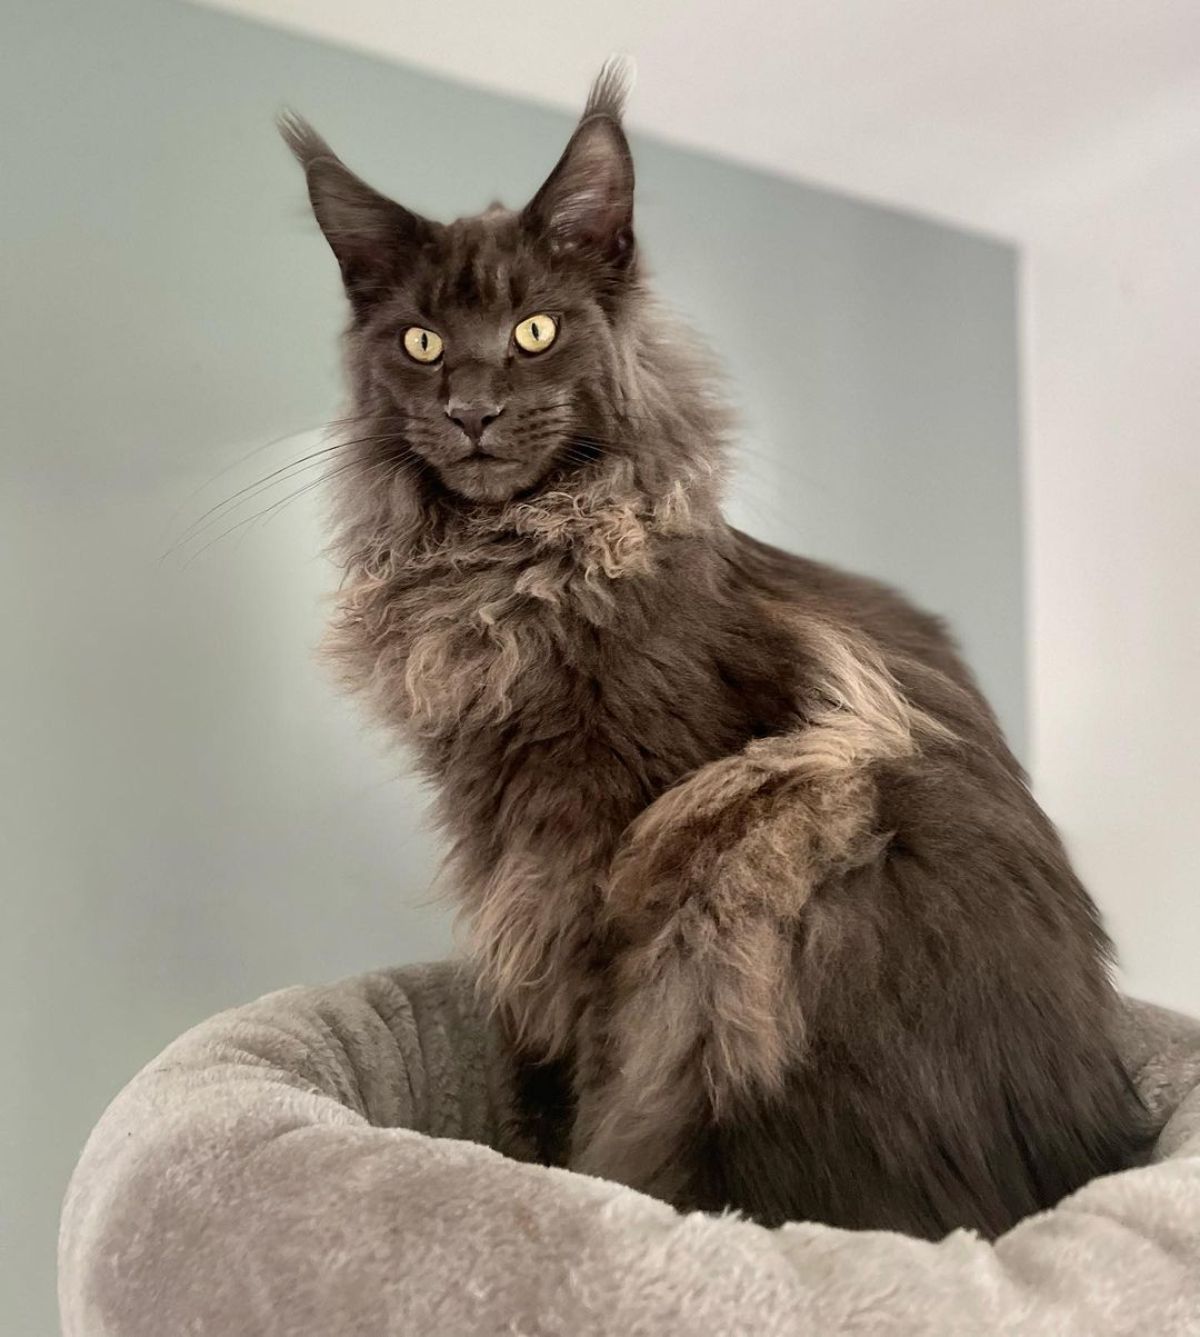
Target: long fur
(740, 846)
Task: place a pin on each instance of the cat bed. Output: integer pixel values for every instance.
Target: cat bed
(346, 1160)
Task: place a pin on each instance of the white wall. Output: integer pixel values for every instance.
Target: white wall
(1112, 293)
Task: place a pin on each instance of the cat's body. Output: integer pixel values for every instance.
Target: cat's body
(741, 846)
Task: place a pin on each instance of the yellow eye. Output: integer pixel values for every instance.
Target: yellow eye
(536, 333)
(422, 345)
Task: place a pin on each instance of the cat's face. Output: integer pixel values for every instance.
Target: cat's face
(489, 353)
(486, 346)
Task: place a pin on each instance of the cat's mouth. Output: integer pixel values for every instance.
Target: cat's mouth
(480, 454)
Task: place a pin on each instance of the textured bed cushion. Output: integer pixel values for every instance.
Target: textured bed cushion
(342, 1161)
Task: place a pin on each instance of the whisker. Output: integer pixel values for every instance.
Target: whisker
(308, 487)
(254, 487)
(282, 474)
(257, 450)
(400, 467)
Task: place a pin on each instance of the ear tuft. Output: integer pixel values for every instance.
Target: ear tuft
(369, 234)
(610, 89)
(304, 142)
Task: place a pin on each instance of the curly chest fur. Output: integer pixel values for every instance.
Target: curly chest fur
(541, 702)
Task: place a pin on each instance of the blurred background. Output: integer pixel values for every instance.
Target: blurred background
(948, 251)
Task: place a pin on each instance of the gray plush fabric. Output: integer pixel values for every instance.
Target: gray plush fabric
(342, 1161)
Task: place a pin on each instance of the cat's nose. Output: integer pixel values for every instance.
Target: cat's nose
(473, 417)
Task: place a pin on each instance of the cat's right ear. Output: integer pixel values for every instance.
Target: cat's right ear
(368, 233)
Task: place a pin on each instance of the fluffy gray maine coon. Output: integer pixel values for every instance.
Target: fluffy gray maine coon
(753, 879)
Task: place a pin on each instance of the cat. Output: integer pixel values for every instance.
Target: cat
(746, 860)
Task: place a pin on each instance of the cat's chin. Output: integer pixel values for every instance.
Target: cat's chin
(491, 480)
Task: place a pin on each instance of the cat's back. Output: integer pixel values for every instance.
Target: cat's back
(843, 598)
(905, 636)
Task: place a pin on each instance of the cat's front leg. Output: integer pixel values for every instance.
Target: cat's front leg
(701, 1012)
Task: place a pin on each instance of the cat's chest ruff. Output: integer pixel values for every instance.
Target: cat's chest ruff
(511, 618)
(482, 643)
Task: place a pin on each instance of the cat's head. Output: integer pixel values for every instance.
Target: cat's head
(491, 345)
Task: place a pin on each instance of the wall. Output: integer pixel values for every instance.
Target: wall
(1112, 288)
(191, 816)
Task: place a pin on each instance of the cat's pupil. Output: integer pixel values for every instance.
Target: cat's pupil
(424, 343)
(533, 329)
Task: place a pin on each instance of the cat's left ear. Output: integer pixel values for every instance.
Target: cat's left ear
(586, 204)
